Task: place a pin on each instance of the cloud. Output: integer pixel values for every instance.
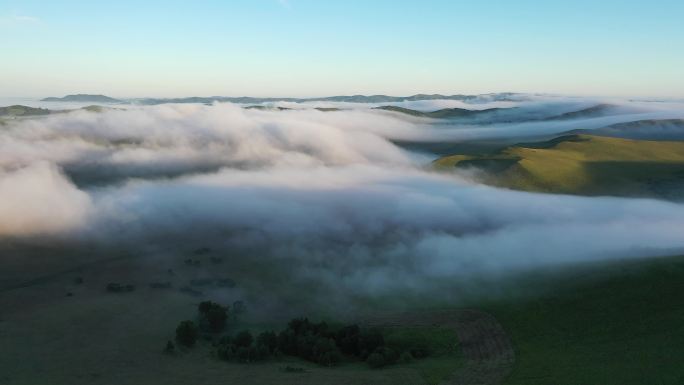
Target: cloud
(14, 19)
(38, 199)
(322, 197)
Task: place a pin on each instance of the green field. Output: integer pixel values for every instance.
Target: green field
(613, 324)
(582, 164)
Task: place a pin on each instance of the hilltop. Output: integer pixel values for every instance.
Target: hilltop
(584, 165)
(18, 110)
(652, 129)
(445, 113)
(82, 98)
(589, 112)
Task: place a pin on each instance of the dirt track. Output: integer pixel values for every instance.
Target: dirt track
(487, 350)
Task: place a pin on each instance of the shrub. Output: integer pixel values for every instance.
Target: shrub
(376, 360)
(325, 352)
(186, 333)
(293, 369)
(382, 356)
(405, 358)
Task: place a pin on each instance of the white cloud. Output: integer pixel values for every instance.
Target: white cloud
(14, 19)
(327, 192)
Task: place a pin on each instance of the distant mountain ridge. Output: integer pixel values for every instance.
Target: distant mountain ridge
(88, 98)
(505, 96)
(84, 98)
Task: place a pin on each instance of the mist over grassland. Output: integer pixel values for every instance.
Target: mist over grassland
(318, 196)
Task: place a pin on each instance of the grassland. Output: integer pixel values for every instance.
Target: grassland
(56, 331)
(582, 164)
(440, 342)
(651, 129)
(17, 110)
(613, 324)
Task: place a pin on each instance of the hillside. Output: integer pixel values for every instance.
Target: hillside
(589, 112)
(612, 323)
(18, 110)
(446, 113)
(652, 129)
(584, 165)
(83, 98)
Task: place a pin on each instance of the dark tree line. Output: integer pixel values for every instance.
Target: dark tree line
(314, 342)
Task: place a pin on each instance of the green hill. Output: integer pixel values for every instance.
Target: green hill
(83, 98)
(651, 129)
(584, 165)
(446, 113)
(589, 112)
(17, 110)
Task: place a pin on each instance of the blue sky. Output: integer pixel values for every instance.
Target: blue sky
(316, 47)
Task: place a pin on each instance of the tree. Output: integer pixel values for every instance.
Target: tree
(287, 342)
(186, 333)
(369, 341)
(213, 316)
(243, 339)
(347, 339)
(269, 340)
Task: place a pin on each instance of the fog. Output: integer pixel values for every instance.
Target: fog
(326, 194)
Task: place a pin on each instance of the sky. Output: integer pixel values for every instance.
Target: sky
(308, 48)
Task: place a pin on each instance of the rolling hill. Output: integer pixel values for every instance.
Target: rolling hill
(583, 165)
(589, 112)
(446, 113)
(83, 98)
(652, 129)
(18, 110)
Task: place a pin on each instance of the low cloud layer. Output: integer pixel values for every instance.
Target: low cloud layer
(327, 192)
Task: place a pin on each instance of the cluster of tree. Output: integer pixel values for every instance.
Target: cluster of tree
(212, 316)
(212, 319)
(315, 342)
(243, 347)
